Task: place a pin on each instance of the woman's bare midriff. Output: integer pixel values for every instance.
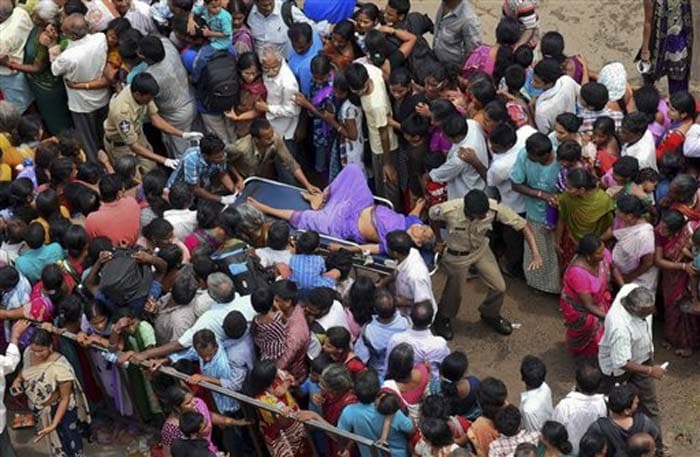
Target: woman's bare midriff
(366, 227)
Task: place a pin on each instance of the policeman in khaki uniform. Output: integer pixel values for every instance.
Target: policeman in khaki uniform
(123, 126)
(468, 223)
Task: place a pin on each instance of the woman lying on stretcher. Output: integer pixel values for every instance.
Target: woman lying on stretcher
(346, 210)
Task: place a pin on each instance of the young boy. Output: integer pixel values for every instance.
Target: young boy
(569, 158)
(182, 218)
(277, 249)
(311, 388)
(594, 100)
(309, 269)
(536, 401)
(638, 140)
(508, 422)
(194, 444)
(218, 29)
(622, 173)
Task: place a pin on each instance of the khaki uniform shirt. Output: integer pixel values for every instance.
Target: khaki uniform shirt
(470, 237)
(245, 157)
(124, 121)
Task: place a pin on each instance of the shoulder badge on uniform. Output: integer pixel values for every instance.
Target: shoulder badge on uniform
(125, 126)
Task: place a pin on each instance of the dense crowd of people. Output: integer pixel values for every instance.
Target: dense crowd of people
(128, 130)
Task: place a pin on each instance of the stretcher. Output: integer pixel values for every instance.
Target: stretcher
(285, 196)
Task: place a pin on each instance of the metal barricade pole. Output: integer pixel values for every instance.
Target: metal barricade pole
(376, 449)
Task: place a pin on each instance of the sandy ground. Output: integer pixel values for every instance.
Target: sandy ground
(603, 31)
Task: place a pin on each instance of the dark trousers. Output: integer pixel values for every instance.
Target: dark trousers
(508, 243)
(91, 130)
(6, 449)
(237, 440)
(646, 387)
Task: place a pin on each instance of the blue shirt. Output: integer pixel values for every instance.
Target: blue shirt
(324, 10)
(300, 64)
(366, 421)
(536, 176)
(139, 68)
(194, 170)
(220, 22)
(371, 346)
(307, 271)
(32, 261)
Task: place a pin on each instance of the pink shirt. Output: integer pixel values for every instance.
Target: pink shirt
(119, 221)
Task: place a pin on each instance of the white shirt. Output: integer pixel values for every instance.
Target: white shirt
(83, 60)
(335, 317)
(271, 29)
(426, 346)
(577, 411)
(184, 221)
(8, 363)
(536, 407)
(498, 174)
(413, 279)
(643, 150)
(99, 16)
(691, 145)
(269, 257)
(626, 337)
(14, 32)
(282, 112)
(214, 318)
(460, 176)
(377, 107)
(560, 98)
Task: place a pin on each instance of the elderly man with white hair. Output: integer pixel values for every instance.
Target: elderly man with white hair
(281, 85)
(84, 60)
(626, 352)
(15, 27)
(221, 289)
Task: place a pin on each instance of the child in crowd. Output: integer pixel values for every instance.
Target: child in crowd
(311, 389)
(647, 100)
(278, 249)
(416, 131)
(622, 174)
(180, 215)
(341, 261)
(594, 100)
(606, 143)
(269, 325)
(643, 187)
(252, 89)
(437, 439)
(518, 99)
(569, 158)
(196, 430)
(536, 401)
(308, 268)
(524, 57)
(508, 422)
(242, 38)
(218, 29)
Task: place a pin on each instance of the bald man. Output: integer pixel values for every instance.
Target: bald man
(82, 66)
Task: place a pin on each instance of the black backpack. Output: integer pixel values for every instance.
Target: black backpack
(123, 279)
(247, 273)
(218, 83)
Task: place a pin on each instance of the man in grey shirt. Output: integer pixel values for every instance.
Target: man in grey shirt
(175, 100)
(457, 32)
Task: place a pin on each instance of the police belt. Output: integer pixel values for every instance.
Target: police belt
(116, 144)
(458, 253)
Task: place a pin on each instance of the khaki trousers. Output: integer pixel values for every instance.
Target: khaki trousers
(451, 275)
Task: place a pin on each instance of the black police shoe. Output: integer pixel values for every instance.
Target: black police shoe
(443, 328)
(499, 324)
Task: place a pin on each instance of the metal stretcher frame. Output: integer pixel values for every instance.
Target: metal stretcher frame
(379, 264)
